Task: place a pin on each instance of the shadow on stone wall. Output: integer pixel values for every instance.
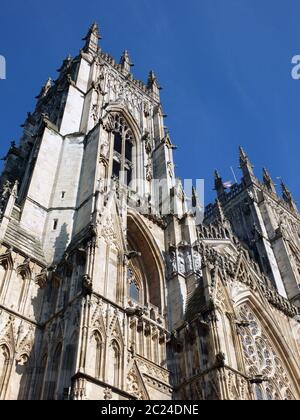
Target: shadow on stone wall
(61, 243)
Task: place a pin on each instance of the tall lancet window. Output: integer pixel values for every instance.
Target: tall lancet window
(134, 280)
(134, 286)
(116, 364)
(122, 166)
(97, 354)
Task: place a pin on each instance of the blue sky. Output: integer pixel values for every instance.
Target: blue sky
(225, 67)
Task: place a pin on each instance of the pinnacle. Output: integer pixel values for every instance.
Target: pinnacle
(93, 30)
(242, 153)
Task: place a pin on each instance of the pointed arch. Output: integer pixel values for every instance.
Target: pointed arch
(7, 259)
(98, 321)
(119, 157)
(270, 335)
(97, 353)
(116, 331)
(150, 262)
(6, 267)
(7, 337)
(24, 270)
(116, 363)
(22, 282)
(131, 121)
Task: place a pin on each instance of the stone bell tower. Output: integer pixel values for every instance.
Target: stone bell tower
(111, 287)
(81, 227)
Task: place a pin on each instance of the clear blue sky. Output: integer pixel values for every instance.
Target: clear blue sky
(225, 66)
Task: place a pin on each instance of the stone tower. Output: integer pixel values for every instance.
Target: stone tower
(110, 289)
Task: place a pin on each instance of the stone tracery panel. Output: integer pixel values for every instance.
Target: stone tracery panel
(262, 360)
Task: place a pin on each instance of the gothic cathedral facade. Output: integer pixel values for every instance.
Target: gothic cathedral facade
(110, 287)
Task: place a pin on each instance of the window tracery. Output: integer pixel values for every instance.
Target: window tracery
(123, 143)
(98, 353)
(262, 359)
(134, 285)
(116, 363)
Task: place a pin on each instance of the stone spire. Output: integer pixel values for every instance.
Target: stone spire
(287, 196)
(246, 166)
(91, 39)
(153, 85)
(45, 89)
(219, 186)
(126, 62)
(195, 198)
(268, 181)
(65, 65)
(243, 156)
(220, 212)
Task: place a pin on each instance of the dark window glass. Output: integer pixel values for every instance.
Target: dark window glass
(116, 169)
(134, 292)
(129, 177)
(118, 143)
(128, 151)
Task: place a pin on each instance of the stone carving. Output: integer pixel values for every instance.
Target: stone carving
(149, 173)
(95, 113)
(181, 263)
(197, 261)
(172, 262)
(148, 143)
(5, 193)
(108, 230)
(133, 385)
(188, 262)
(170, 168)
(87, 284)
(105, 148)
(107, 394)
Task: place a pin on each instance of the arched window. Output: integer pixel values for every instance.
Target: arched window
(147, 268)
(4, 365)
(21, 279)
(116, 364)
(122, 166)
(97, 344)
(134, 286)
(261, 358)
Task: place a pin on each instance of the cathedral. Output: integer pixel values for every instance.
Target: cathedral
(111, 286)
